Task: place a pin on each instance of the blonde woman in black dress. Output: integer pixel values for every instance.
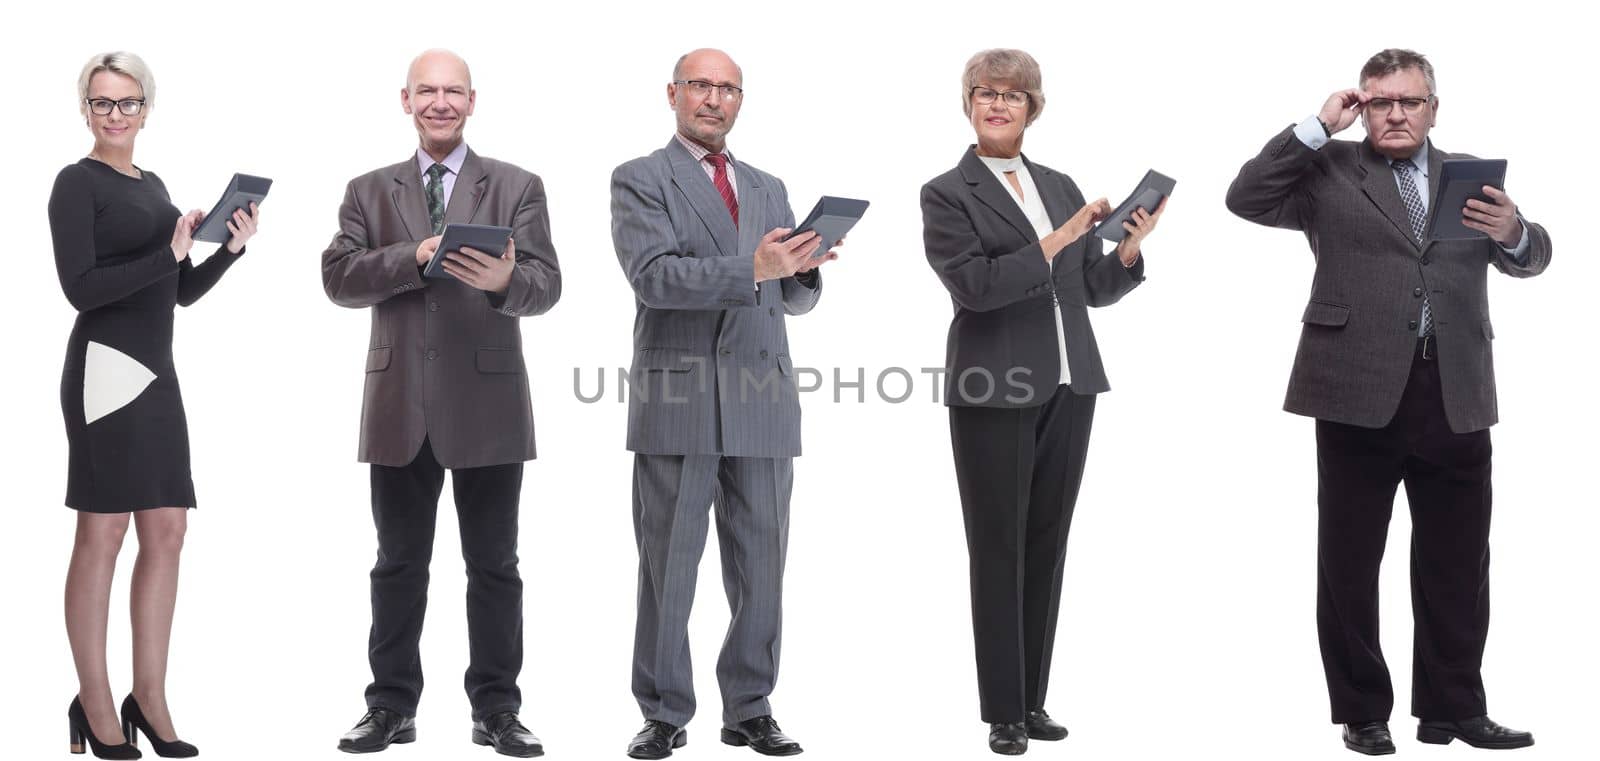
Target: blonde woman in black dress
(122, 252)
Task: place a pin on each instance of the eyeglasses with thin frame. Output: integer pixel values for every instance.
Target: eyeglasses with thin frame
(1382, 106)
(103, 106)
(701, 88)
(983, 96)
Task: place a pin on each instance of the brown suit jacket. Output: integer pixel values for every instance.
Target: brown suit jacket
(445, 359)
(1360, 325)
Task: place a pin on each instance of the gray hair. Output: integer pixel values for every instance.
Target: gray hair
(1005, 65)
(1387, 62)
(120, 62)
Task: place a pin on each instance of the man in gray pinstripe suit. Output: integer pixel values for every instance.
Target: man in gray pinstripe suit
(713, 414)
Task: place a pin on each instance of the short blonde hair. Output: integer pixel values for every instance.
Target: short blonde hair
(1005, 65)
(120, 62)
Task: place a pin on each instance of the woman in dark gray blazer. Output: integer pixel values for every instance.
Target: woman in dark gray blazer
(1008, 238)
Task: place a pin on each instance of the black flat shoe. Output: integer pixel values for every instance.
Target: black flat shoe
(1009, 739)
(1369, 737)
(78, 726)
(1479, 732)
(657, 740)
(1042, 727)
(376, 730)
(762, 735)
(507, 735)
(133, 719)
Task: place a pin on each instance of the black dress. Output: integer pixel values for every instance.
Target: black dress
(127, 441)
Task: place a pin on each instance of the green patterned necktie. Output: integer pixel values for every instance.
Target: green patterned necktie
(436, 197)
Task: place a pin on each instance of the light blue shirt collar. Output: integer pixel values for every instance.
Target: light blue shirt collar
(1420, 158)
(451, 162)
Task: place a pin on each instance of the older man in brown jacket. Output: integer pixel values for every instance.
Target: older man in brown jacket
(445, 389)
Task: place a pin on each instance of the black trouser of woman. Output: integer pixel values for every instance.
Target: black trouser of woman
(1019, 472)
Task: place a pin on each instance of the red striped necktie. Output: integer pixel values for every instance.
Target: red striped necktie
(723, 185)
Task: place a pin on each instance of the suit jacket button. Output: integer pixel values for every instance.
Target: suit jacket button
(726, 352)
(432, 354)
(772, 310)
(763, 353)
(1416, 292)
(1412, 325)
(1425, 261)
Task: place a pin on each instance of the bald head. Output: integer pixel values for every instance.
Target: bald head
(708, 58)
(707, 103)
(438, 65)
(439, 97)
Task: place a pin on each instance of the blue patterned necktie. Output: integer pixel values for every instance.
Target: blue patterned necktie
(436, 197)
(1414, 212)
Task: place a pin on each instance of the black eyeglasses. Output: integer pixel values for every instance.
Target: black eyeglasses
(103, 106)
(983, 96)
(702, 88)
(1382, 106)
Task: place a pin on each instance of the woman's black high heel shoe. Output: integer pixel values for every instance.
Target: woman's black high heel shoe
(79, 726)
(133, 720)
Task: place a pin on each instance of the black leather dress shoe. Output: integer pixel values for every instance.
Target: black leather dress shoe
(1042, 727)
(1009, 739)
(376, 730)
(507, 735)
(1479, 732)
(1369, 737)
(762, 735)
(657, 740)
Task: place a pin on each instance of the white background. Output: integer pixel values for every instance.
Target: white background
(1187, 626)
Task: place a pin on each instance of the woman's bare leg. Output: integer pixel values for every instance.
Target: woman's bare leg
(88, 604)
(155, 594)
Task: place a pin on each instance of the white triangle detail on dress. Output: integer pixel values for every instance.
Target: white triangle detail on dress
(111, 380)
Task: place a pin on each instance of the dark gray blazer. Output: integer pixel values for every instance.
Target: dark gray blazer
(711, 367)
(985, 251)
(1360, 325)
(445, 359)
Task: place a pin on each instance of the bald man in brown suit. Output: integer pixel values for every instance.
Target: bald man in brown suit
(446, 388)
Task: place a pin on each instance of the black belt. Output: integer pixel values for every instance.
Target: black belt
(1428, 348)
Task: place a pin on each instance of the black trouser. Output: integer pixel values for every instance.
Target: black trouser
(1447, 484)
(1019, 471)
(405, 504)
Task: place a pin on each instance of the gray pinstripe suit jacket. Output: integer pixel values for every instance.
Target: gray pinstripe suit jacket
(1360, 327)
(711, 369)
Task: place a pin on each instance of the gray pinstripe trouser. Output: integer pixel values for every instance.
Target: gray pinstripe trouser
(671, 497)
